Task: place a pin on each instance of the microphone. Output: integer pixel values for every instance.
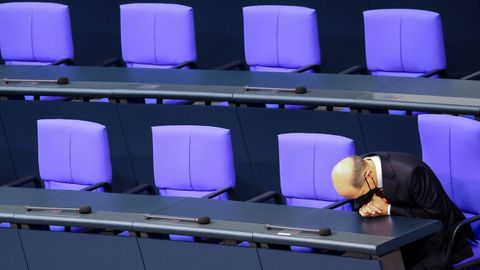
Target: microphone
(199, 220)
(321, 231)
(84, 209)
(59, 81)
(297, 90)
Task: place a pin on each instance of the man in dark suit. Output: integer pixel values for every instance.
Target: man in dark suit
(391, 183)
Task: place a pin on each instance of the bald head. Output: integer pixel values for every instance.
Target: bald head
(348, 178)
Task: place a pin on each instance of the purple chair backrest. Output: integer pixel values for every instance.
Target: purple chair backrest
(280, 38)
(451, 147)
(306, 163)
(157, 35)
(34, 33)
(73, 154)
(192, 161)
(403, 42)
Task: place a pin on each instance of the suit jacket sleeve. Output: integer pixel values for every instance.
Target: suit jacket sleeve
(426, 195)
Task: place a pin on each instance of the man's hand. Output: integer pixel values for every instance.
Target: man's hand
(375, 208)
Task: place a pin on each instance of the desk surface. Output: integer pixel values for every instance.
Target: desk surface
(359, 91)
(231, 219)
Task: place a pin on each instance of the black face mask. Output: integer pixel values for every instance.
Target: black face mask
(364, 199)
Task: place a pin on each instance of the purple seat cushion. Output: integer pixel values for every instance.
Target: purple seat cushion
(401, 41)
(306, 163)
(72, 153)
(280, 38)
(157, 34)
(395, 74)
(35, 33)
(189, 193)
(192, 160)
(270, 69)
(135, 65)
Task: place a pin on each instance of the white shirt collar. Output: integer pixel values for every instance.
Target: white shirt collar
(378, 169)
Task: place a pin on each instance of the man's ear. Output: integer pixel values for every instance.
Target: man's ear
(369, 174)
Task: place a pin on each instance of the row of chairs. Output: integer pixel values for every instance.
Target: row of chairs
(398, 42)
(197, 161)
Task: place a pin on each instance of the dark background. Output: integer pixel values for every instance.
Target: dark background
(219, 30)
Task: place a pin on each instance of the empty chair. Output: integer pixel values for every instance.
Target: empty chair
(306, 163)
(404, 42)
(281, 38)
(451, 147)
(35, 34)
(73, 154)
(193, 161)
(158, 36)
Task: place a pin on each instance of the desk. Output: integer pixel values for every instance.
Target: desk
(240, 221)
(357, 91)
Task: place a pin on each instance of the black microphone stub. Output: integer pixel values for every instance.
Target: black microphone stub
(62, 81)
(325, 231)
(300, 90)
(85, 209)
(203, 220)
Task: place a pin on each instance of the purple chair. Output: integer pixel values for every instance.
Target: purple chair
(35, 34)
(158, 36)
(281, 38)
(306, 163)
(404, 42)
(451, 147)
(193, 161)
(74, 155)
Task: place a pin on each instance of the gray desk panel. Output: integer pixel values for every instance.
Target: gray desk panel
(54, 250)
(8, 212)
(121, 90)
(213, 77)
(316, 97)
(217, 229)
(24, 196)
(11, 251)
(95, 220)
(237, 211)
(434, 87)
(438, 104)
(116, 202)
(162, 254)
(433, 95)
(338, 241)
(321, 81)
(280, 260)
(14, 71)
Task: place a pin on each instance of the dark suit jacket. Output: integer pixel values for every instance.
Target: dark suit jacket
(413, 190)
